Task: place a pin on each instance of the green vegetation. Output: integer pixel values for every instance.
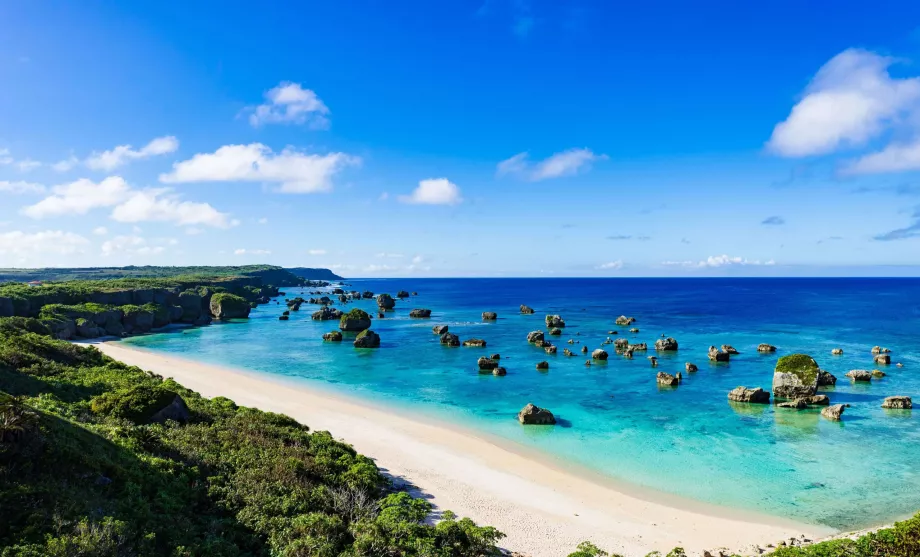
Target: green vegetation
(802, 365)
(224, 305)
(313, 274)
(901, 540)
(267, 273)
(82, 473)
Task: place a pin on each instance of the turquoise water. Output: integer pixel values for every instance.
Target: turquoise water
(613, 418)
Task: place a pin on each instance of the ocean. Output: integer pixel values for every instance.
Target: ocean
(613, 417)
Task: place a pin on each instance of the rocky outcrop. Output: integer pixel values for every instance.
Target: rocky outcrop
(555, 332)
(584, 349)
(794, 404)
(176, 411)
(880, 350)
(489, 316)
(496, 357)
(837, 351)
(599, 354)
(667, 379)
(534, 415)
(554, 321)
(625, 321)
(355, 320)
(535, 336)
(833, 412)
(385, 301)
(333, 336)
(475, 342)
(139, 320)
(526, 310)
(450, 339)
(859, 375)
(499, 371)
(898, 403)
(817, 400)
(486, 364)
(666, 344)
(717, 355)
(420, 313)
(402, 294)
(690, 368)
(226, 306)
(550, 349)
(620, 344)
(367, 294)
(826, 378)
(439, 329)
(653, 360)
(639, 347)
(326, 314)
(543, 365)
(367, 339)
(744, 394)
(729, 349)
(284, 317)
(765, 348)
(883, 359)
(191, 304)
(795, 376)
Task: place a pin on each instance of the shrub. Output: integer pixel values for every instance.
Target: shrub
(138, 403)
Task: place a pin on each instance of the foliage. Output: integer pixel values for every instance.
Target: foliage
(901, 540)
(82, 475)
(799, 364)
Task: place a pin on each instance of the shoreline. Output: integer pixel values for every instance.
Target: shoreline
(544, 507)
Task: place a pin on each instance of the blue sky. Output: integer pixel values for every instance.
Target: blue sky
(496, 138)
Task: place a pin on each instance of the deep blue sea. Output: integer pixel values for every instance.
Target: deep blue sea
(614, 419)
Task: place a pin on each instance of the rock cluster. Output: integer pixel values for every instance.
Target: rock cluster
(450, 339)
(744, 394)
(667, 379)
(666, 344)
(534, 415)
(554, 321)
(898, 403)
(625, 321)
(795, 376)
(477, 342)
(420, 313)
(717, 355)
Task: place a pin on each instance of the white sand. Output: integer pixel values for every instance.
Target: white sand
(544, 510)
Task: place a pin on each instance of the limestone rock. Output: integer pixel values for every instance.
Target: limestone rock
(367, 339)
(534, 415)
(666, 344)
(326, 314)
(860, 375)
(543, 365)
(526, 309)
(554, 321)
(826, 378)
(717, 355)
(744, 394)
(420, 313)
(489, 316)
(795, 376)
(729, 349)
(476, 342)
(550, 349)
(833, 412)
(598, 354)
(766, 348)
(883, 359)
(690, 368)
(837, 351)
(439, 329)
(535, 336)
(355, 320)
(795, 404)
(486, 364)
(402, 294)
(333, 336)
(898, 403)
(625, 321)
(385, 301)
(450, 339)
(555, 332)
(880, 350)
(667, 379)
(499, 371)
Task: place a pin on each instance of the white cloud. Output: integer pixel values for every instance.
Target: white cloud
(384, 254)
(241, 251)
(714, 261)
(611, 265)
(130, 245)
(100, 231)
(296, 172)
(193, 231)
(20, 187)
(163, 206)
(379, 269)
(5, 157)
(263, 220)
(897, 157)
(851, 100)
(67, 164)
(79, 197)
(416, 265)
(53, 242)
(27, 165)
(121, 155)
(290, 103)
(565, 163)
(434, 191)
(317, 252)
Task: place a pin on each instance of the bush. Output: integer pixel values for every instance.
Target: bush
(138, 403)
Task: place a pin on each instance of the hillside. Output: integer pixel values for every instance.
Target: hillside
(268, 273)
(314, 274)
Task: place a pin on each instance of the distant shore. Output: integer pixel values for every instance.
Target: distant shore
(544, 510)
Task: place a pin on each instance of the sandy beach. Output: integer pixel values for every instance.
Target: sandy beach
(545, 510)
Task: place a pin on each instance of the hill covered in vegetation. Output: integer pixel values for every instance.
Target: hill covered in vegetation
(268, 273)
(314, 274)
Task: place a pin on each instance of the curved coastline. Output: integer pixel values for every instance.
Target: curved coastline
(545, 505)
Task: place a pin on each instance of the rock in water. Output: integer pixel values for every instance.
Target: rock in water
(667, 379)
(898, 403)
(717, 355)
(744, 394)
(690, 368)
(489, 316)
(729, 349)
(477, 342)
(333, 336)
(826, 378)
(534, 415)
(326, 314)
(666, 344)
(229, 306)
(598, 354)
(367, 339)
(833, 412)
(486, 364)
(420, 313)
(623, 320)
(880, 350)
(439, 329)
(499, 371)
(385, 301)
(535, 336)
(543, 365)
(766, 348)
(883, 359)
(554, 321)
(837, 351)
(496, 357)
(402, 294)
(355, 320)
(584, 349)
(526, 309)
(550, 349)
(450, 339)
(795, 376)
(860, 375)
(555, 332)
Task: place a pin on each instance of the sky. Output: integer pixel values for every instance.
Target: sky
(480, 138)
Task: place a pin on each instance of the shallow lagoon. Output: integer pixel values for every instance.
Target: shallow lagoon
(614, 419)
